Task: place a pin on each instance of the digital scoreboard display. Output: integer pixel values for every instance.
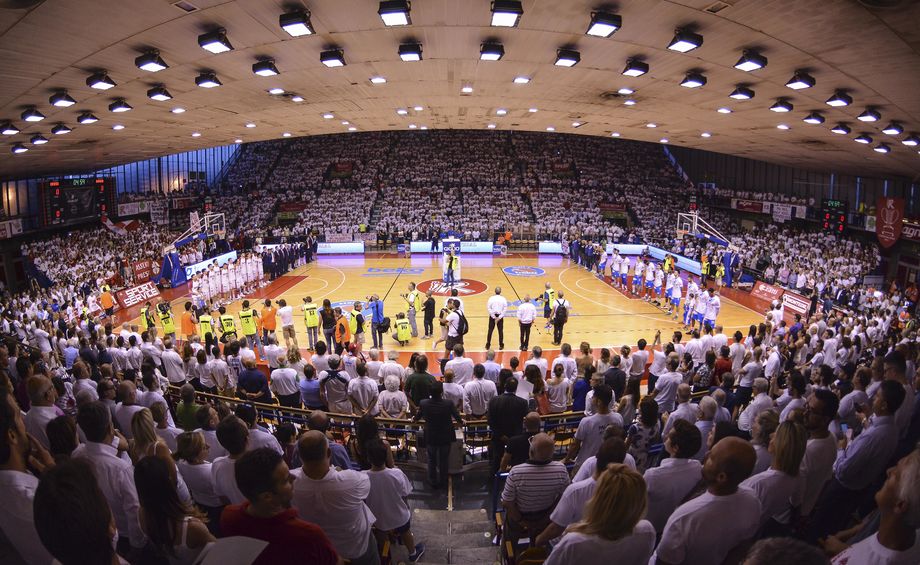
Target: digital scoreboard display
(73, 201)
(834, 215)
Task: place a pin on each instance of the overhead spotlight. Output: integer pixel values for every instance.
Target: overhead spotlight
(491, 51)
(159, 93)
(215, 41)
(742, 93)
(196, 134)
(894, 128)
(577, 124)
(60, 129)
(814, 118)
(685, 41)
(882, 148)
(328, 116)
(604, 24)
(87, 118)
(297, 98)
(418, 108)
(395, 13)
(378, 80)
(615, 134)
(32, 115)
(841, 129)
(237, 141)
(207, 80)
(100, 81)
(61, 99)
(19, 148)
(532, 110)
(663, 140)
(693, 80)
(781, 105)
(352, 128)
(625, 91)
(839, 98)
(402, 111)
(863, 138)
(178, 110)
(250, 125)
(801, 80)
(332, 58)
(151, 62)
(265, 68)
(412, 126)
(467, 89)
(506, 13)
(491, 126)
(724, 110)
(521, 80)
(345, 122)
(7, 128)
(501, 112)
(276, 91)
(629, 102)
(286, 134)
(783, 127)
(911, 141)
(705, 134)
(870, 115)
(550, 128)
(296, 23)
(635, 68)
(651, 125)
(38, 139)
(410, 52)
(567, 58)
(118, 127)
(751, 61)
(120, 105)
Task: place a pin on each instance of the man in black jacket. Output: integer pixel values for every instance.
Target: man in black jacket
(615, 377)
(506, 420)
(439, 432)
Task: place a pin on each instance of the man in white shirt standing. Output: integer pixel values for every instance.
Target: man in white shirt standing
(713, 305)
(678, 474)
(172, 362)
(536, 358)
(760, 403)
(42, 395)
(526, 313)
(286, 313)
(363, 393)
(568, 363)
(477, 393)
(497, 305)
(461, 366)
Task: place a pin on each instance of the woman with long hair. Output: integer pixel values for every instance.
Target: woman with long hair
(558, 390)
(585, 358)
(630, 402)
(176, 529)
(645, 432)
(761, 431)
(145, 441)
(778, 488)
(612, 528)
(366, 429)
(191, 460)
(540, 402)
(327, 321)
(603, 363)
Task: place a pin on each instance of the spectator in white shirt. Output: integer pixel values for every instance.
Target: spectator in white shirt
(389, 488)
(760, 403)
(684, 411)
(526, 313)
(165, 431)
(125, 410)
(172, 362)
(258, 437)
(234, 437)
(42, 396)
(392, 402)
(363, 392)
(666, 386)
(492, 368)
(779, 488)
(461, 366)
(567, 361)
(497, 305)
(284, 383)
(536, 358)
(477, 393)
(670, 483)
(590, 432)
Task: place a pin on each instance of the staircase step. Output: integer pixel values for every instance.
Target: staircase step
(468, 515)
(475, 555)
(471, 527)
(456, 541)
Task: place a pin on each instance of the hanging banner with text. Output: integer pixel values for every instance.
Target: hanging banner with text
(796, 303)
(889, 220)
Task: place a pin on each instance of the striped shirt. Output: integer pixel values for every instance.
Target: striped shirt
(535, 486)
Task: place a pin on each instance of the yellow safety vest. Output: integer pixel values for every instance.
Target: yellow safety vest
(247, 321)
(550, 297)
(310, 317)
(205, 324)
(414, 299)
(144, 318)
(353, 322)
(403, 332)
(169, 325)
(227, 324)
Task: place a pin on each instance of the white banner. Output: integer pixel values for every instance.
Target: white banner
(128, 297)
(10, 228)
(159, 212)
(133, 208)
(782, 212)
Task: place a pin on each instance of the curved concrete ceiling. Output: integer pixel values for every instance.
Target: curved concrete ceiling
(872, 54)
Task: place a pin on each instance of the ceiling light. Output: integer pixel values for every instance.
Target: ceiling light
(501, 111)
(814, 118)
(651, 125)
(87, 118)
(693, 80)
(869, 115)
(118, 127)
(196, 134)
(506, 13)
(615, 134)
(629, 102)
(521, 80)
(394, 13)
(276, 91)
(532, 110)
(7, 128)
(378, 80)
(352, 128)
(207, 80)
(19, 148)
(576, 124)
(863, 138)
(839, 98)
(467, 89)
(100, 81)
(550, 128)
(663, 140)
(178, 110)
(742, 93)
(625, 91)
(159, 93)
(782, 126)
(491, 51)
(841, 129)
(801, 80)
(751, 61)
(705, 134)
(412, 126)
(567, 58)
(215, 42)
(604, 24)
(402, 111)
(332, 58)
(911, 141)
(60, 129)
(491, 126)
(894, 128)
(38, 139)
(881, 148)
(635, 68)
(418, 108)
(685, 41)
(120, 105)
(250, 125)
(410, 52)
(151, 62)
(781, 106)
(328, 116)
(423, 128)
(32, 115)
(724, 110)
(345, 122)
(61, 99)
(286, 134)
(296, 23)
(265, 68)
(297, 98)
(237, 141)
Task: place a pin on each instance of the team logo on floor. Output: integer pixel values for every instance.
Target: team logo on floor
(374, 272)
(466, 287)
(524, 271)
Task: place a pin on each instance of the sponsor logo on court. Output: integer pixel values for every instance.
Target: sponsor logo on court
(466, 287)
(524, 271)
(373, 272)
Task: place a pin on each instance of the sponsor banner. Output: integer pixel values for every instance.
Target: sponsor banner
(342, 170)
(159, 212)
(782, 212)
(524, 271)
(889, 222)
(747, 205)
(292, 206)
(10, 228)
(796, 303)
(332, 248)
(143, 270)
(133, 208)
(766, 291)
(180, 202)
(368, 236)
(338, 237)
(220, 260)
(499, 249)
(464, 288)
(909, 231)
(465, 247)
(549, 247)
(373, 272)
(613, 211)
(128, 297)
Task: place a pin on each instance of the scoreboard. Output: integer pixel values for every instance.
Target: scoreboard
(73, 201)
(834, 215)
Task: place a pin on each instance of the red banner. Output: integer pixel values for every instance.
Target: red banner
(889, 220)
(292, 206)
(766, 291)
(794, 302)
(749, 206)
(129, 297)
(143, 270)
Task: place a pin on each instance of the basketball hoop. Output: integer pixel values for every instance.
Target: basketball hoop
(682, 233)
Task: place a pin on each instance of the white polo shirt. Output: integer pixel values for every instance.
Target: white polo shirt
(590, 433)
(16, 520)
(463, 369)
(668, 484)
(224, 479)
(365, 391)
(526, 313)
(388, 489)
(571, 505)
(581, 548)
(497, 305)
(777, 492)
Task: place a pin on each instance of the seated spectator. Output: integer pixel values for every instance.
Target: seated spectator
(387, 499)
(518, 448)
(671, 482)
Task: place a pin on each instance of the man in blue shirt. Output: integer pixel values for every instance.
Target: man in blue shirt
(375, 307)
(253, 384)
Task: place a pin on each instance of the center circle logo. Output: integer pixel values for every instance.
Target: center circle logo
(524, 271)
(466, 287)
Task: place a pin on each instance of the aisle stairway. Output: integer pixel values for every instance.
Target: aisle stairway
(458, 536)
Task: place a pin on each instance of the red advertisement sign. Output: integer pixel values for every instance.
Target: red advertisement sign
(766, 291)
(143, 270)
(794, 302)
(749, 206)
(129, 297)
(180, 202)
(889, 222)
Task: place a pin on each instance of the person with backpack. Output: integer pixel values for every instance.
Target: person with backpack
(457, 326)
(560, 316)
